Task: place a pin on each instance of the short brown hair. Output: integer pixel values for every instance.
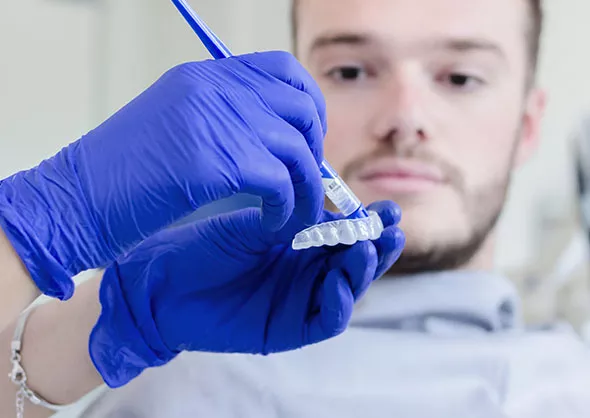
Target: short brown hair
(534, 30)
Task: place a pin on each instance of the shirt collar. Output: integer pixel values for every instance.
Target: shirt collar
(466, 300)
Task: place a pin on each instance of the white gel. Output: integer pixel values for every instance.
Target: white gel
(341, 195)
(343, 231)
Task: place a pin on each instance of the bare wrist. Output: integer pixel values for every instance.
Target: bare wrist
(19, 376)
(57, 361)
(17, 289)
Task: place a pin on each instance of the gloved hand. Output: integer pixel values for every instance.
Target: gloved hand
(224, 285)
(204, 131)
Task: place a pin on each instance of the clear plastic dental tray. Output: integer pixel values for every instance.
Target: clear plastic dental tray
(342, 231)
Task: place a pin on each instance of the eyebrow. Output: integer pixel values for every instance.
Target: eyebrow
(347, 39)
(469, 45)
(455, 44)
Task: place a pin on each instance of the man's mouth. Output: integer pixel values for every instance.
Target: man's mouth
(401, 176)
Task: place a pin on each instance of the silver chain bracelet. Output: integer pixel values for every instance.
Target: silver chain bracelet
(18, 375)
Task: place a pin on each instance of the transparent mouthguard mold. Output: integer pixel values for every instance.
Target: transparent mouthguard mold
(342, 231)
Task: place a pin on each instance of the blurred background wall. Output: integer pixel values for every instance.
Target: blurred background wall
(69, 64)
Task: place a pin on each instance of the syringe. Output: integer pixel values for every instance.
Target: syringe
(335, 188)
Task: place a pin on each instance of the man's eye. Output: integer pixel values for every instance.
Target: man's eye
(459, 79)
(347, 73)
(462, 81)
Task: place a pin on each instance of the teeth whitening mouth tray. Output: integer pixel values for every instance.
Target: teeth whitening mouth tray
(359, 225)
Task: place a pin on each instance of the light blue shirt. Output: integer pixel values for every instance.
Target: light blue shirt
(448, 345)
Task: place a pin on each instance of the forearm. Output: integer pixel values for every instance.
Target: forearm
(54, 352)
(17, 290)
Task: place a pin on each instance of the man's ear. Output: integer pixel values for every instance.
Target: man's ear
(532, 119)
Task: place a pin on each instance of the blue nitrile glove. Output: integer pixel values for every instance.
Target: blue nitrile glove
(204, 131)
(224, 285)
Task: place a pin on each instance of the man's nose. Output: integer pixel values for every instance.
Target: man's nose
(400, 118)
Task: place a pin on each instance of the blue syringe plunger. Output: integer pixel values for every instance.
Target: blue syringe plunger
(335, 188)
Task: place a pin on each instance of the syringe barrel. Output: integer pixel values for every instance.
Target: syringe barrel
(340, 194)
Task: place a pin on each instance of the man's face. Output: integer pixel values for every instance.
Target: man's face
(427, 106)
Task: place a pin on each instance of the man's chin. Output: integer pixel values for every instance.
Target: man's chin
(435, 245)
(431, 261)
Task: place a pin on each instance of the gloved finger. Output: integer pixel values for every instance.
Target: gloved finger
(336, 307)
(243, 228)
(389, 212)
(389, 249)
(359, 264)
(392, 241)
(270, 180)
(288, 145)
(287, 68)
(298, 109)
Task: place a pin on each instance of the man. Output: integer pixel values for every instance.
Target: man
(431, 104)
